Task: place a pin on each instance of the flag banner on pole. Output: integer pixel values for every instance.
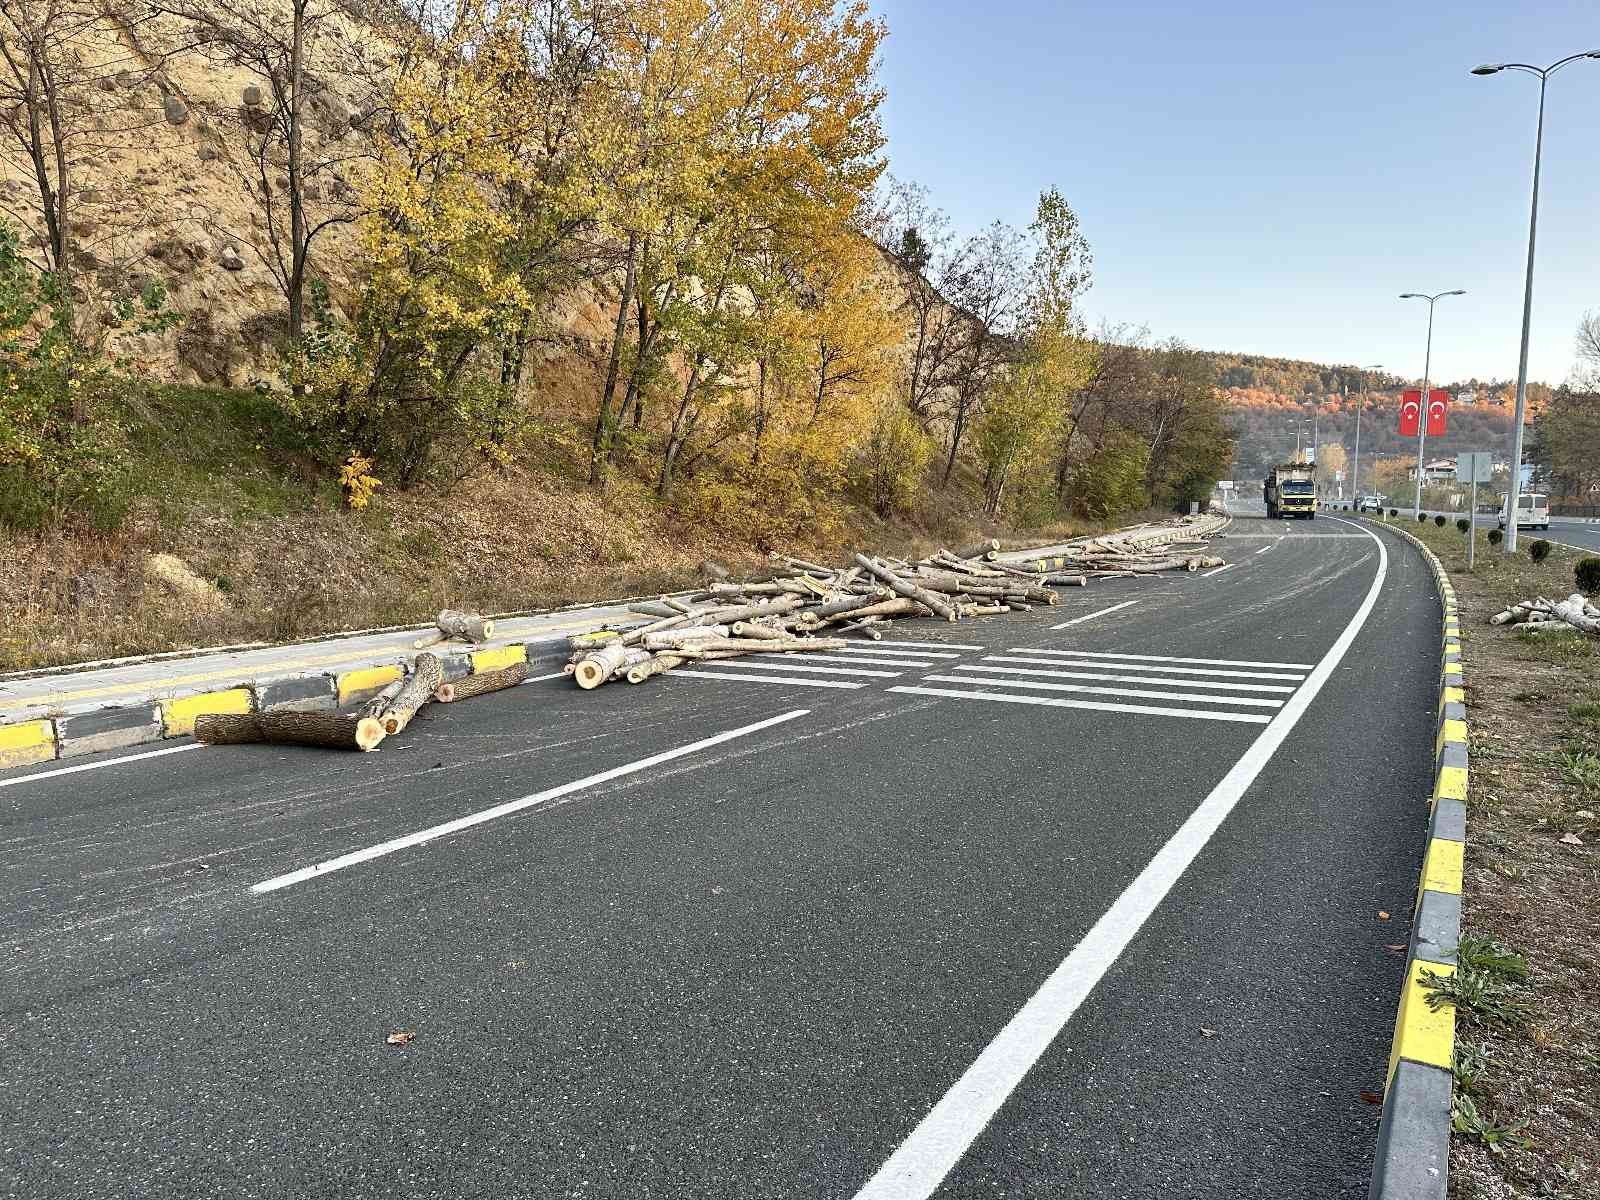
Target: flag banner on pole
(1410, 413)
(1438, 405)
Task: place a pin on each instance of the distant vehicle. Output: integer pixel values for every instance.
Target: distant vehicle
(1372, 504)
(1533, 510)
(1290, 490)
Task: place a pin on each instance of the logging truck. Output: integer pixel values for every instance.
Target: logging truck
(1290, 490)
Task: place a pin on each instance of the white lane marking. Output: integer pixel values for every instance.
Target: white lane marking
(786, 665)
(921, 1162)
(1198, 714)
(1166, 658)
(700, 673)
(1111, 677)
(515, 806)
(830, 656)
(542, 678)
(876, 649)
(924, 645)
(1093, 615)
(1144, 693)
(1217, 570)
(1267, 547)
(1209, 672)
(95, 766)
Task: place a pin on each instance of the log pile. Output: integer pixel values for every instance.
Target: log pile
(1540, 614)
(800, 606)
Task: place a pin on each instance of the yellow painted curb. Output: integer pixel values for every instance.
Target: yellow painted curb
(1421, 1034)
(484, 661)
(26, 743)
(177, 716)
(1451, 784)
(1453, 694)
(365, 682)
(1441, 870)
(1450, 731)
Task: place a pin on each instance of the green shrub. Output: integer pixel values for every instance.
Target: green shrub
(1394, 512)
(1587, 575)
(1496, 536)
(1439, 520)
(1422, 518)
(1538, 550)
(1463, 524)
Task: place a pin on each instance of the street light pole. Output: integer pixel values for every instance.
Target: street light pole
(1514, 487)
(1427, 368)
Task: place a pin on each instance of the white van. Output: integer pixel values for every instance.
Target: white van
(1533, 510)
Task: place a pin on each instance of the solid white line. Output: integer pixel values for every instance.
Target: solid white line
(95, 766)
(786, 665)
(515, 806)
(875, 649)
(1209, 672)
(1217, 570)
(542, 678)
(1267, 547)
(1093, 615)
(831, 656)
(1164, 658)
(1151, 680)
(1145, 693)
(1198, 714)
(700, 673)
(922, 1161)
(924, 645)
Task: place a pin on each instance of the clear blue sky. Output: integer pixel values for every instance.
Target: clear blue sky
(1266, 177)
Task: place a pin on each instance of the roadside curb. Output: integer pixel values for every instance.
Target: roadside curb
(46, 734)
(1413, 1154)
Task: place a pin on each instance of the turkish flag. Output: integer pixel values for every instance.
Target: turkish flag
(1410, 413)
(1438, 405)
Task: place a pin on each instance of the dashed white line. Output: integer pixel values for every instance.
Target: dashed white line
(924, 645)
(919, 1165)
(1093, 615)
(876, 649)
(515, 806)
(1267, 547)
(1142, 693)
(702, 673)
(95, 766)
(1165, 658)
(1217, 570)
(786, 665)
(1198, 714)
(1111, 677)
(833, 657)
(1209, 672)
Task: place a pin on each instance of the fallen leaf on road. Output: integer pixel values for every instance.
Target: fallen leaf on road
(1208, 1032)
(399, 1039)
(1371, 1098)
(1382, 916)
(1571, 839)
(1397, 946)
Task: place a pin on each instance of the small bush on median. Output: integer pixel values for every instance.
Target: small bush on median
(1422, 518)
(1439, 520)
(1538, 550)
(1394, 512)
(1463, 524)
(1587, 575)
(1496, 536)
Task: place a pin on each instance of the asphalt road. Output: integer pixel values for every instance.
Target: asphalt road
(946, 928)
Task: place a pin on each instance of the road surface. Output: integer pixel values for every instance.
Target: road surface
(1083, 901)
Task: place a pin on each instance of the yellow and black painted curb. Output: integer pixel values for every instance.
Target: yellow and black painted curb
(40, 735)
(1413, 1155)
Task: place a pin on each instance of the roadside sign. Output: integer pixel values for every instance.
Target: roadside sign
(1311, 454)
(1474, 467)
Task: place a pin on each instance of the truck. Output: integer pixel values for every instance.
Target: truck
(1290, 490)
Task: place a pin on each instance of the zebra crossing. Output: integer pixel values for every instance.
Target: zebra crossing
(850, 669)
(1241, 691)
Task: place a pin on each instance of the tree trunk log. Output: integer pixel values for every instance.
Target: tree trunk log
(900, 606)
(921, 595)
(478, 685)
(980, 549)
(467, 625)
(600, 664)
(427, 673)
(289, 729)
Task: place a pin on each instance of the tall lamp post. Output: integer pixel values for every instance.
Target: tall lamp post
(1514, 488)
(1361, 404)
(1427, 368)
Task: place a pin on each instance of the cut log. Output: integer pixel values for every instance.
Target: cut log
(980, 549)
(900, 606)
(427, 673)
(467, 625)
(658, 665)
(757, 645)
(904, 588)
(289, 729)
(380, 702)
(600, 664)
(752, 629)
(477, 685)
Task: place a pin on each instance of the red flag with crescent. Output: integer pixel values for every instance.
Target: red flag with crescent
(1438, 405)
(1410, 413)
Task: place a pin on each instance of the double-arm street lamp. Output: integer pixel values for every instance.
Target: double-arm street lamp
(1427, 367)
(1514, 488)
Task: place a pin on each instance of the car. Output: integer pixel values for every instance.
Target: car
(1372, 504)
(1533, 510)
